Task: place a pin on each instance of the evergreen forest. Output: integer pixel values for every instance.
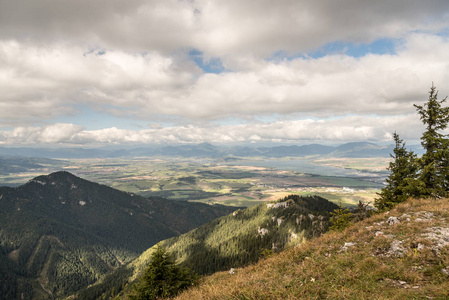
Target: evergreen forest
(60, 233)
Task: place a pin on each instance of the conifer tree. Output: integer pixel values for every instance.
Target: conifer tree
(340, 218)
(401, 183)
(434, 164)
(163, 278)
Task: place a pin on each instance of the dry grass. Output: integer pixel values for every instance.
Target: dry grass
(369, 269)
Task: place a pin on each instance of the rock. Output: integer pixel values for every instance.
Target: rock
(424, 216)
(445, 271)
(346, 246)
(300, 219)
(393, 220)
(427, 215)
(262, 231)
(396, 249)
(439, 236)
(277, 205)
(280, 220)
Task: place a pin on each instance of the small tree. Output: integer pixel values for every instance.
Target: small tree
(401, 183)
(434, 164)
(340, 218)
(361, 212)
(163, 278)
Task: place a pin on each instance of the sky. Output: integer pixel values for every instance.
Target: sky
(112, 72)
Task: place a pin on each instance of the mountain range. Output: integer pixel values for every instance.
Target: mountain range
(60, 233)
(357, 149)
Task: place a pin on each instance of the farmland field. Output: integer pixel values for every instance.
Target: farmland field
(239, 182)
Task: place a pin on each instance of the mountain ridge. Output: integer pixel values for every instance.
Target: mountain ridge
(353, 149)
(234, 240)
(400, 254)
(69, 232)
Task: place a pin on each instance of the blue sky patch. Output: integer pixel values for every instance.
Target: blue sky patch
(213, 65)
(380, 47)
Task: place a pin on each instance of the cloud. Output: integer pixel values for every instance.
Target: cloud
(217, 28)
(41, 83)
(44, 82)
(133, 60)
(55, 133)
(294, 131)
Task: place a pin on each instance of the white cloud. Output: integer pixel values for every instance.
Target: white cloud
(294, 131)
(56, 133)
(130, 59)
(43, 83)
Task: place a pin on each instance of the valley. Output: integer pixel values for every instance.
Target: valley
(230, 181)
(75, 223)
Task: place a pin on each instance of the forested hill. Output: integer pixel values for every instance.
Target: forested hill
(399, 254)
(246, 235)
(235, 240)
(60, 233)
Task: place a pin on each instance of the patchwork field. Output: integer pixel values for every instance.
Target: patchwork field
(238, 183)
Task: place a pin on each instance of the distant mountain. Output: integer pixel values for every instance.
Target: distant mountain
(204, 149)
(362, 149)
(60, 233)
(54, 153)
(357, 149)
(245, 151)
(234, 240)
(305, 150)
(14, 164)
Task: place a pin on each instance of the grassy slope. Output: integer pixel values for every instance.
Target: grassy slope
(373, 268)
(235, 240)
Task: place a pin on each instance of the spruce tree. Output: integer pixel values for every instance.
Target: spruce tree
(434, 164)
(401, 183)
(340, 218)
(163, 278)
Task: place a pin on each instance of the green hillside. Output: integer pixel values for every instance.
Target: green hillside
(238, 239)
(400, 254)
(60, 233)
